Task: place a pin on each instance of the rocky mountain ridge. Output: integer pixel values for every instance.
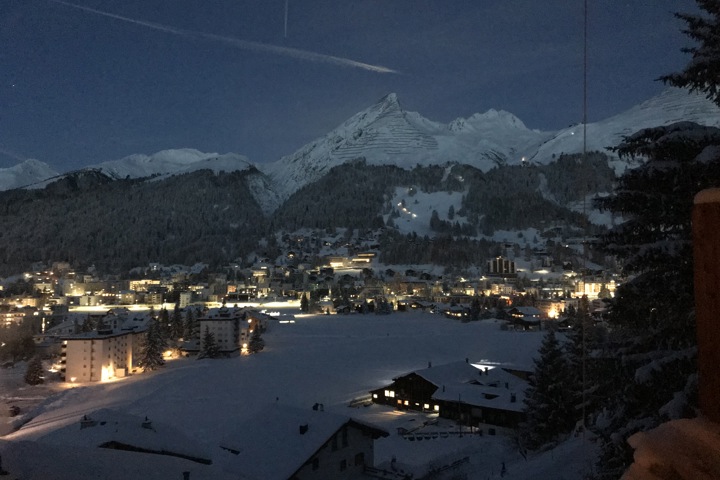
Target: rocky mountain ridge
(386, 134)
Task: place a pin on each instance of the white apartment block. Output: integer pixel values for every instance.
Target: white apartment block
(228, 326)
(99, 356)
(185, 299)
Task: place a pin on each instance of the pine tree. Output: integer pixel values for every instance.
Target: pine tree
(703, 72)
(549, 406)
(583, 339)
(475, 309)
(153, 347)
(34, 374)
(651, 350)
(256, 341)
(191, 326)
(209, 347)
(176, 323)
(88, 325)
(650, 354)
(163, 320)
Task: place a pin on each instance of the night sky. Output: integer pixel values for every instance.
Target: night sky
(79, 87)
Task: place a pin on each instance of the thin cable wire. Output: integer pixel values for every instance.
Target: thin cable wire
(584, 158)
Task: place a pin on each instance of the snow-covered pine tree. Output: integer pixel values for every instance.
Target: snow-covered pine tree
(256, 341)
(703, 72)
(549, 407)
(153, 347)
(209, 347)
(34, 374)
(653, 341)
(652, 345)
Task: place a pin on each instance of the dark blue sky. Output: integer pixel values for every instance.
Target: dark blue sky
(78, 87)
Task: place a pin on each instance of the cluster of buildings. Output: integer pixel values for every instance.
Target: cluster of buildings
(349, 277)
(113, 347)
(486, 397)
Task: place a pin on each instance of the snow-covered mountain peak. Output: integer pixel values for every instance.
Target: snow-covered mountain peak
(169, 162)
(485, 122)
(382, 133)
(27, 173)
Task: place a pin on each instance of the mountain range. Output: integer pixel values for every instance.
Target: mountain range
(382, 167)
(386, 134)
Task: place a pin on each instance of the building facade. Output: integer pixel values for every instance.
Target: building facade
(99, 356)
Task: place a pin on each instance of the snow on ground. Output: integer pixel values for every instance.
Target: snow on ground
(326, 359)
(14, 392)
(418, 207)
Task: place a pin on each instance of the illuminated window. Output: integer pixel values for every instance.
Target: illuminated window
(426, 406)
(437, 408)
(374, 395)
(390, 393)
(407, 403)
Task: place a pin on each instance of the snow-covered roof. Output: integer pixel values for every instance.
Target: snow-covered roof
(527, 311)
(449, 373)
(106, 425)
(32, 460)
(224, 313)
(64, 327)
(496, 389)
(279, 439)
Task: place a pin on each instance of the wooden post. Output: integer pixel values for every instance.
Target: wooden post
(706, 252)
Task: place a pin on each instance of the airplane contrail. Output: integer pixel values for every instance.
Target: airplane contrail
(242, 44)
(286, 15)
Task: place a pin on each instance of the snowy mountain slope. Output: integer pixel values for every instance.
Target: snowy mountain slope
(180, 161)
(169, 162)
(386, 134)
(672, 105)
(30, 172)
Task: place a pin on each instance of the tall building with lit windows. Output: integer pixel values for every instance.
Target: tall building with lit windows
(228, 327)
(99, 356)
(501, 267)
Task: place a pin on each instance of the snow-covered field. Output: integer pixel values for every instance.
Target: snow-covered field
(323, 359)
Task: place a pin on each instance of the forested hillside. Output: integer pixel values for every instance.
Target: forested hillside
(89, 219)
(358, 195)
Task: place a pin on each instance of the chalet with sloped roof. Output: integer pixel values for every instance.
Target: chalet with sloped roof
(488, 397)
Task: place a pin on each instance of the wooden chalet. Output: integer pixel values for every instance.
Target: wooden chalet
(489, 398)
